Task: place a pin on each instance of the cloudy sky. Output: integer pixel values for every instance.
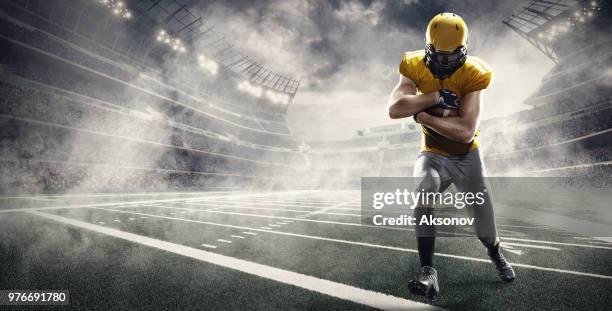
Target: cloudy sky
(346, 53)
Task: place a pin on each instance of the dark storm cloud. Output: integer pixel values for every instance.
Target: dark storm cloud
(330, 39)
(324, 46)
(414, 15)
(346, 52)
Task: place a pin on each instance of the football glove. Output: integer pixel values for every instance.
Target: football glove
(448, 100)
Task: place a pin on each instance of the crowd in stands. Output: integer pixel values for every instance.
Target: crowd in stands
(52, 117)
(77, 108)
(574, 126)
(575, 76)
(32, 103)
(122, 94)
(527, 161)
(80, 56)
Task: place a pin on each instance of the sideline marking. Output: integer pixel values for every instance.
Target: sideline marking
(330, 288)
(394, 248)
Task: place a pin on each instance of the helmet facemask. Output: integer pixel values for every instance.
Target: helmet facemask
(443, 64)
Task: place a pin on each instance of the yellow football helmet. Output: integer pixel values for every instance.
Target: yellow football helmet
(446, 43)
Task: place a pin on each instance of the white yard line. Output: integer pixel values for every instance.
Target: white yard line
(524, 227)
(263, 203)
(598, 242)
(330, 288)
(604, 239)
(531, 246)
(259, 194)
(301, 218)
(208, 245)
(401, 249)
(95, 195)
(287, 219)
(218, 206)
(557, 243)
(323, 210)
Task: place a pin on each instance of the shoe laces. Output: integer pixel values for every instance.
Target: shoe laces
(500, 260)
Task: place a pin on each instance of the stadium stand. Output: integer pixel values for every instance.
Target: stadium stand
(567, 130)
(59, 81)
(69, 101)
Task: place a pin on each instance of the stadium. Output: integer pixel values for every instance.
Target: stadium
(148, 163)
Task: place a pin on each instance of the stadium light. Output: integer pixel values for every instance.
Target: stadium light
(175, 44)
(277, 98)
(579, 17)
(258, 91)
(249, 88)
(117, 7)
(208, 65)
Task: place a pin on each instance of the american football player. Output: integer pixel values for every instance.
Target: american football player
(442, 88)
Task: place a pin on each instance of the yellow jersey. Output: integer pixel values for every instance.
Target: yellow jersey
(474, 75)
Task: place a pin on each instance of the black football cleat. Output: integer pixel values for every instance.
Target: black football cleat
(504, 269)
(426, 284)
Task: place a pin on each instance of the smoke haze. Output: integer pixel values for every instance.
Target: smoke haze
(346, 54)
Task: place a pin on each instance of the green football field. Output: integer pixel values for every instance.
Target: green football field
(305, 250)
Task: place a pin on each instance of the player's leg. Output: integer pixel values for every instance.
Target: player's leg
(468, 174)
(429, 168)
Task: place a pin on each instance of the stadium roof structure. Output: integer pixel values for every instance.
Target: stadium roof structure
(90, 19)
(528, 20)
(177, 19)
(225, 53)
